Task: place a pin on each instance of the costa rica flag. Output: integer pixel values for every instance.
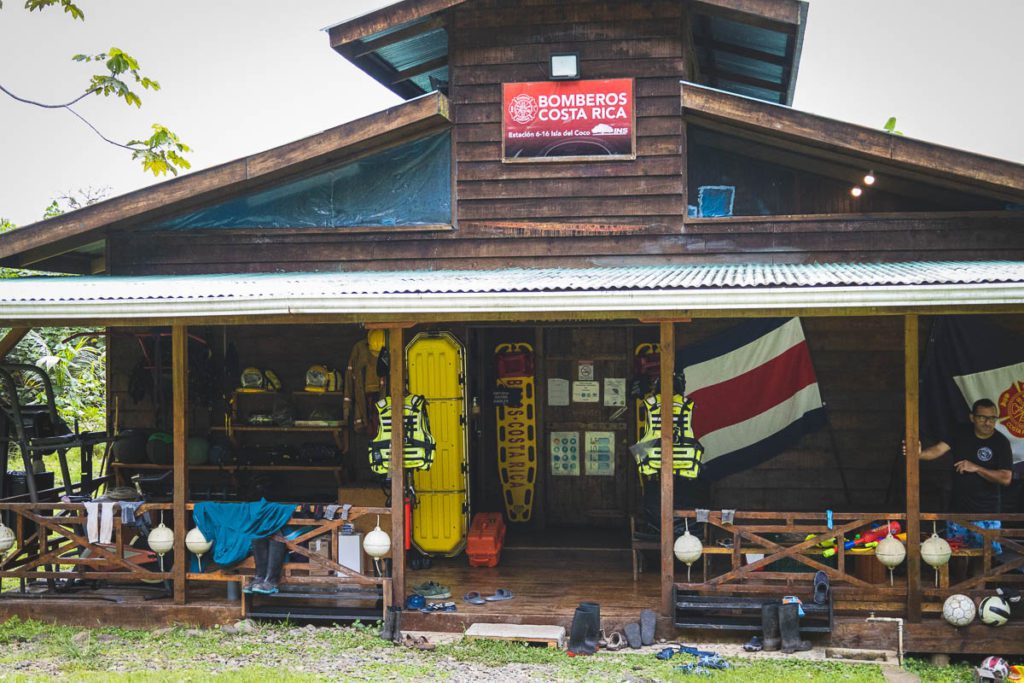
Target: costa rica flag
(755, 393)
(968, 358)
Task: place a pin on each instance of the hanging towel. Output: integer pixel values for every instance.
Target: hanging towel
(106, 522)
(232, 527)
(92, 522)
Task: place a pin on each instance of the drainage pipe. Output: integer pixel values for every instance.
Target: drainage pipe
(899, 631)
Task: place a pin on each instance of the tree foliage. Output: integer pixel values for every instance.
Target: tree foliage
(160, 153)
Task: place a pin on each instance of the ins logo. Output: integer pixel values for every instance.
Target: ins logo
(523, 109)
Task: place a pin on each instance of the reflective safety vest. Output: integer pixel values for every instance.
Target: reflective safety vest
(418, 444)
(686, 450)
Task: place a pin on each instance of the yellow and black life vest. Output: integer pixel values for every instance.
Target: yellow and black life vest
(418, 443)
(686, 450)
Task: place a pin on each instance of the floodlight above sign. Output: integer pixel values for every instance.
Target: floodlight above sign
(564, 67)
(568, 121)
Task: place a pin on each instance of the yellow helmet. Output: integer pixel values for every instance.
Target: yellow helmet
(375, 340)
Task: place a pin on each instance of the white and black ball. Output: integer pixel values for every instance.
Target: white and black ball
(994, 611)
(958, 610)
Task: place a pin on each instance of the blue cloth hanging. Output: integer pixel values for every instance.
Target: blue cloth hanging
(232, 527)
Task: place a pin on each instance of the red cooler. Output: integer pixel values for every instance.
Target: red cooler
(486, 538)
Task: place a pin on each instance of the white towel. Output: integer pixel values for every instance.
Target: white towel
(92, 521)
(106, 522)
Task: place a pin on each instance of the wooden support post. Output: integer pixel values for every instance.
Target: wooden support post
(11, 339)
(913, 440)
(668, 357)
(179, 380)
(396, 386)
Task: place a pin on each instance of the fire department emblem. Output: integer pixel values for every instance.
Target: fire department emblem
(1011, 409)
(523, 109)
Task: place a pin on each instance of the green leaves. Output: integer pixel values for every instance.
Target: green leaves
(890, 126)
(118, 63)
(69, 7)
(162, 152)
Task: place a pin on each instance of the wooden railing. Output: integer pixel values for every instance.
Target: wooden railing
(51, 543)
(57, 547)
(750, 533)
(756, 533)
(989, 573)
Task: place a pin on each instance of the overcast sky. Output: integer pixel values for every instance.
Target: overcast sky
(241, 76)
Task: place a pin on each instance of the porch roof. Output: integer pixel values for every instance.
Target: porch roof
(521, 293)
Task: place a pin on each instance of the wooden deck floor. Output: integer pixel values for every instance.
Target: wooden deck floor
(547, 583)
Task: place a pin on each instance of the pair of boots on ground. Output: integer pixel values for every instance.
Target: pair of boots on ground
(780, 628)
(585, 634)
(269, 556)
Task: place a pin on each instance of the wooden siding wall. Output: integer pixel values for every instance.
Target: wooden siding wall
(811, 239)
(493, 42)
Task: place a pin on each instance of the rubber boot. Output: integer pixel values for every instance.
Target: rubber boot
(260, 551)
(578, 632)
(770, 626)
(387, 627)
(275, 563)
(593, 634)
(396, 635)
(789, 625)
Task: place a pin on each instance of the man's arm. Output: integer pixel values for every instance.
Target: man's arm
(936, 451)
(1001, 477)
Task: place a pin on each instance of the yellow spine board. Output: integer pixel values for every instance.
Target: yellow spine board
(436, 364)
(517, 443)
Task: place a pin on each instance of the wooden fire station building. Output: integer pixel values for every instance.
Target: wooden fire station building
(584, 177)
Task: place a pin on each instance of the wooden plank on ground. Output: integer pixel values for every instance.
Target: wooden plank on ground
(552, 636)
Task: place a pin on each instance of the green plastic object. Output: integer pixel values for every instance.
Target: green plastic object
(197, 450)
(160, 448)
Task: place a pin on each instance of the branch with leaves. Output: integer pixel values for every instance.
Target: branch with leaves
(162, 152)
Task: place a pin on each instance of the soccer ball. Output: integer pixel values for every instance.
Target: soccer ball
(994, 611)
(995, 668)
(958, 610)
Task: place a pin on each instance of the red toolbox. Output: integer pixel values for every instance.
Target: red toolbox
(486, 538)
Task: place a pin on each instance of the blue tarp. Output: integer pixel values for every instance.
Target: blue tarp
(408, 184)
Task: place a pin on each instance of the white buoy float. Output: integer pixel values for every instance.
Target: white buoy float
(197, 544)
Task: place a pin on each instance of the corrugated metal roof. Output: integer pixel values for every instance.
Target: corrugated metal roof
(509, 280)
(470, 293)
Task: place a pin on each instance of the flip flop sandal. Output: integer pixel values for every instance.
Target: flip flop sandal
(474, 598)
(499, 595)
(616, 641)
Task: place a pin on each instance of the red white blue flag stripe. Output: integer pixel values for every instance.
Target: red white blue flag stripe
(755, 393)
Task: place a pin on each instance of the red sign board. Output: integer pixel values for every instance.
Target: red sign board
(568, 120)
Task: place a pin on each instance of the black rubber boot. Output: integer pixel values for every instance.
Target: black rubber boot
(648, 623)
(260, 551)
(396, 634)
(771, 640)
(275, 562)
(387, 627)
(593, 634)
(578, 632)
(789, 625)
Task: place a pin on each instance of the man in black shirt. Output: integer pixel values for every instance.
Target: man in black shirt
(982, 462)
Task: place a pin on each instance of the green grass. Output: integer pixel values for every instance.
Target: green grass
(32, 651)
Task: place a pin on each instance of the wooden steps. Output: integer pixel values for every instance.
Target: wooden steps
(551, 636)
